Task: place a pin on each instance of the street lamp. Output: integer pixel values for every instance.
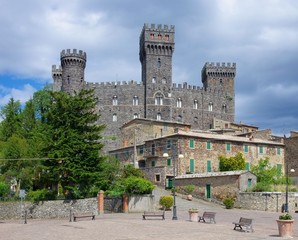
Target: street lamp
(174, 184)
(287, 187)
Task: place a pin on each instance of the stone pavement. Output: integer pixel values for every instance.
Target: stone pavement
(130, 226)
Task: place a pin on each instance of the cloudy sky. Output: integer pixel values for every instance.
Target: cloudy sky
(260, 36)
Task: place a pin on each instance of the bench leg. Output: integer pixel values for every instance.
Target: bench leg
(237, 226)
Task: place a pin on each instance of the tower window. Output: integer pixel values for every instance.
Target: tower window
(210, 106)
(115, 100)
(135, 116)
(179, 118)
(195, 104)
(154, 80)
(163, 81)
(179, 102)
(151, 35)
(135, 100)
(158, 63)
(167, 37)
(158, 99)
(114, 117)
(224, 108)
(159, 36)
(158, 116)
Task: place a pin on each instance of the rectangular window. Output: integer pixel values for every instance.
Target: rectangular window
(208, 166)
(153, 149)
(245, 148)
(208, 145)
(249, 182)
(169, 144)
(278, 151)
(247, 166)
(153, 163)
(157, 178)
(141, 150)
(169, 162)
(261, 150)
(228, 147)
(191, 165)
(191, 144)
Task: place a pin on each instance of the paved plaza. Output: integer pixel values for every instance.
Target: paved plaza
(130, 226)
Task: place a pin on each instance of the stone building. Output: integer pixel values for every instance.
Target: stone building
(200, 151)
(155, 96)
(291, 155)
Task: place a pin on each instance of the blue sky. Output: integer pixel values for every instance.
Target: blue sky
(260, 36)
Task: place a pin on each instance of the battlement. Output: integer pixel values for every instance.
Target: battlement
(56, 70)
(219, 65)
(118, 83)
(159, 27)
(73, 53)
(186, 86)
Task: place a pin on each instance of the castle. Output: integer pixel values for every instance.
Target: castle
(155, 96)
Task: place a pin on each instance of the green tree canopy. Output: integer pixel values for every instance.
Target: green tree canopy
(74, 142)
(232, 163)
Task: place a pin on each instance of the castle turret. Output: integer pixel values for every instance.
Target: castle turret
(73, 70)
(57, 78)
(156, 51)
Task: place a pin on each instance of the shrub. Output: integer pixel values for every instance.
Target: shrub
(166, 202)
(229, 203)
(285, 216)
(41, 195)
(4, 190)
(262, 187)
(189, 188)
(136, 185)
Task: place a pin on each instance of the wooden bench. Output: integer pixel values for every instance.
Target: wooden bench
(209, 215)
(83, 215)
(154, 214)
(244, 222)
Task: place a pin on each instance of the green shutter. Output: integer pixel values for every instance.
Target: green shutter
(278, 151)
(228, 146)
(279, 166)
(246, 148)
(208, 145)
(169, 161)
(260, 149)
(208, 166)
(249, 182)
(247, 166)
(191, 143)
(191, 165)
(153, 163)
(168, 144)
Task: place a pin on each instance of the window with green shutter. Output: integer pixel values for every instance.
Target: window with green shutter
(246, 148)
(279, 166)
(278, 151)
(191, 165)
(191, 144)
(169, 144)
(249, 181)
(261, 149)
(208, 166)
(228, 147)
(208, 145)
(169, 161)
(247, 166)
(153, 163)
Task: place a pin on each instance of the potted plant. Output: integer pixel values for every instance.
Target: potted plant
(285, 225)
(193, 214)
(166, 202)
(189, 190)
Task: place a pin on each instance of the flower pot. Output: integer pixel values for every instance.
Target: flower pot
(193, 215)
(285, 227)
(189, 197)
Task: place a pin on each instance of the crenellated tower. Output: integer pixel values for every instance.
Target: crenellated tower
(156, 51)
(57, 78)
(73, 70)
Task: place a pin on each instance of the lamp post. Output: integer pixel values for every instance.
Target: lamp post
(174, 183)
(287, 187)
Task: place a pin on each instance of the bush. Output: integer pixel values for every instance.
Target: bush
(166, 202)
(229, 203)
(262, 187)
(189, 188)
(41, 195)
(135, 185)
(4, 190)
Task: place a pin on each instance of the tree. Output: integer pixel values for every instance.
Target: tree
(233, 163)
(11, 119)
(74, 143)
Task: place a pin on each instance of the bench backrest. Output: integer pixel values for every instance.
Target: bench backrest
(208, 214)
(246, 221)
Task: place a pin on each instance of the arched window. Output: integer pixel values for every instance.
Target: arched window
(158, 63)
(179, 102)
(224, 108)
(151, 35)
(163, 81)
(154, 80)
(158, 99)
(114, 117)
(135, 100)
(115, 100)
(158, 116)
(135, 116)
(195, 104)
(210, 106)
(179, 118)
